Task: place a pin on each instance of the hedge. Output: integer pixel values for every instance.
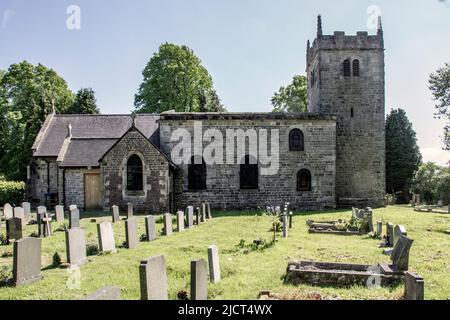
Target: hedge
(12, 192)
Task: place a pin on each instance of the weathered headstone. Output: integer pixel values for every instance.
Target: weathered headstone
(413, 201)
(290, 220)
(19, 213)
(27, 261)
(107, 293)
(285, 224)
(203, 206)
(153, 278)
(180, 221)
(199, 280)
(440, 203)
(14, 228)
(74, 218)
(59, 213)
(115, 214)
(76, 246)
(400, 254)
(168, 230)
(131, 232)
(150, 228)
(41, 209)
(399, 231)
(189, 217)
(27, 210)
(8, 211)
(379, 228)
(40, 224)
(390, 233)
(214, 265)
(414, 286)
(73, 207)
(130, 211)
(208, 210)
(106, 240)
(197, 216)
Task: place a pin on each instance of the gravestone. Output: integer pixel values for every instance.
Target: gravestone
(106, 240)
(440, 203)
(290, 220)
(399, 231)
(189, 217)
(150, 228)
(74, 218)
(199, 280)
(214, 266)
(40, 223)
(73, 207)
(107, 293)
(414, 286)
(115, 214)
(449, 208)
(14, 228)
(27, 210)
(390, 233)
(379, 228)
(27, 261)
(197, 216)
(168, 230)
(285, 224)
(47, 224)
(131, 232)
(8, 211)
(203, 206)
(19, 213)
(180, 221)
(41, 209)
(413, 201)
(400, 254)
(208, 210)
(59, 213)
(76, 246)
(153, 278)
(130, 212)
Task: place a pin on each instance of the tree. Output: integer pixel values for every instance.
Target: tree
(426, 182)
(439, 85)
(293, 98)
(174, 79)
(32, 92)
(85, 102)
(403, 156)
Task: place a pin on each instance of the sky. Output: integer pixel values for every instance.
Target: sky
(250, 47)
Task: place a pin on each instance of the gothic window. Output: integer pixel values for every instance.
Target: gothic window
(313, 79)
(356, 68)
(347, 68)
(248, 174)
(135, 174)
(197, 175)
(296, 142)
(303, 180)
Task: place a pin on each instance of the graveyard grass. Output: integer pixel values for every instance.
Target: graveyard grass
(244, 275)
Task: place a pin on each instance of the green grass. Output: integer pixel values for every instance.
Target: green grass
(244, 275)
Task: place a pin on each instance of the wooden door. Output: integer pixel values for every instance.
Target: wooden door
(92, 191)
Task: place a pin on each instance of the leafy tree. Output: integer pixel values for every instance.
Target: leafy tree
(293, 98)
(439, 85)
(174, 79)
(32, 92)
(85, 102)
(426, 182)
(403, 156)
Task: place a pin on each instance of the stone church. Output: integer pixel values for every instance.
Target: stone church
(332, 156)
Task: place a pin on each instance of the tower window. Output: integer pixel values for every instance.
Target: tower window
(304, 180)
(248, 174)
(197, 175)
(135, 174)
(356, 68)
(347, 68)
(296, 140)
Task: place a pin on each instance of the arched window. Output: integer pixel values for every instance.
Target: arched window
(197, 175)
(347, 68)
(304, 180)
(135, 174)
(249, 174)
(356, 68)
(313, 78)
(296, 142)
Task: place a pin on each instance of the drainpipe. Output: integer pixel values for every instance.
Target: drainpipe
(48, 176)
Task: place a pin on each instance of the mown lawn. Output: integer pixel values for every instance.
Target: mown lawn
(244, 275)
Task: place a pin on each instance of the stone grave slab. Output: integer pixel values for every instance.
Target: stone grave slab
(76, 246)
(27, 261)
(153, 278)
(106, 240)
(199, 280)
(131, 232)
(150, 227)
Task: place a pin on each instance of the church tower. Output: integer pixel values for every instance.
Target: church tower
(346, 78)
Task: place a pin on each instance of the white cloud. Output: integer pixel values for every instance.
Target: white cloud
(7, 16)
(436, 155)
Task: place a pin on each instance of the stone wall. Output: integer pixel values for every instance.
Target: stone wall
(155, 196)
(223, 181)
(46, 178)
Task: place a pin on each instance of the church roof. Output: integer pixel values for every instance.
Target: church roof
(246, 116)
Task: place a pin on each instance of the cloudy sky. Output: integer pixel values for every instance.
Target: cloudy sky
(250, 47)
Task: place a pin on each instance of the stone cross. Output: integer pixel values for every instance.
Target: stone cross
(168, 230)
(414, 286)
(115, 214)
(27, 210)
(14, 229)
(400, 254)
(208, 210)
(59, 213)
(150, 228)
(27, 261)
(76, 246)
(399, 231)
(285, 224)
(153, 278)
(131, 232)
(214, 266)
(106, 293)
(46, 220)
(199, 280)
(180, 221)
(74, 218)
(130, 211)
(203, 206)
(390, 233)
(106, 240)
(8, 211)
(189, 217)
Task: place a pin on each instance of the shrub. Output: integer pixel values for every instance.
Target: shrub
(12, 192)
(56, 259)
(91, 249)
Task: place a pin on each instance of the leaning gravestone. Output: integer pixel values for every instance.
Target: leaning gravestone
(150, 228)
(27, 210)
(414, 286)
(76, 246)
(19, 213)
(189, 217)
(74, 218)
(115, 214)
(399, 231)
(106, 293)
(208, 210)
(130, 212)
(214, 266)
(8, 211)
(153, 278)
(168, 230)
(379, 229)
(131, 232)
(390, 233)
(59, 213)
(203, 212)
(400, 254)
(199, 280)
(14, 228)
(180, 221)
(106, 240)
(27, 261)
(197, 216)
